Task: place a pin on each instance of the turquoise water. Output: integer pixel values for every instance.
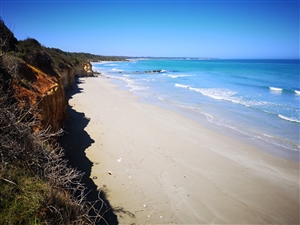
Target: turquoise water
(259, 98)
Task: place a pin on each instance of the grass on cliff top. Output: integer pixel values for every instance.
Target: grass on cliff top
(21, 197)
(26, 199)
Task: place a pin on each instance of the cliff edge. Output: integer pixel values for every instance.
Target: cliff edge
(37, 185)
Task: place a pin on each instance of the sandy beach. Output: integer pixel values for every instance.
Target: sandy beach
(159, 167)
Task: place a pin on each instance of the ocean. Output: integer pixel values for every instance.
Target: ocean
(256, 98)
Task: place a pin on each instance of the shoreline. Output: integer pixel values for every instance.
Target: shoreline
(161, 167)
(256, 142)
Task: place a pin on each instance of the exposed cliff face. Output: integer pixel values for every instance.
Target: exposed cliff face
(68, 74)
(88, 68)
(47, 92)
(53, 107)
(44, 93)
(67, 77)
(83, 70)
(39, 76)
(79, 70)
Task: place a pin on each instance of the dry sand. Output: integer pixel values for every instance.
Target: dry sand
(166, 168)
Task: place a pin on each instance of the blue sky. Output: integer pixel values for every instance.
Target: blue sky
(221, 29)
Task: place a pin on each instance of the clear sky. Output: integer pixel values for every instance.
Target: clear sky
(221, 29)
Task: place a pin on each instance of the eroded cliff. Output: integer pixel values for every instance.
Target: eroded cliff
(39, 79)
(35, 176)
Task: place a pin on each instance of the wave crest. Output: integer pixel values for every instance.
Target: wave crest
(288, 118)
(275, 89)
(181, 85)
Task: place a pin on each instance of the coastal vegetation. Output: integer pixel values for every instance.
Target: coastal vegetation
(37, 185)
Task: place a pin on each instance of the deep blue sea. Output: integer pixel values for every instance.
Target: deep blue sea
(259, 98)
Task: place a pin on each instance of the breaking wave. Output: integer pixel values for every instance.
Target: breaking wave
(288, 118)
(181, 85)
(275, 89)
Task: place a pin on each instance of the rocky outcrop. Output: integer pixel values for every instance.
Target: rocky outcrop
(84, 70)
(68, 74)
(88, 68)
(79, 71)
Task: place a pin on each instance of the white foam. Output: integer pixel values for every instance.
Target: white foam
(195, 89)
(184, 75)
(148, 80)
(115, 69)
(217, 93)
(275, 89)
(176, 76)
(135, 87)
(297, 92)
(181, 85)
(208, 117)
(120, 78)
(267, 135)
(227, 95)
(288, 118)
(269, 112)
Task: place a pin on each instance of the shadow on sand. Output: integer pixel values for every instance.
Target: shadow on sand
(75, 143)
